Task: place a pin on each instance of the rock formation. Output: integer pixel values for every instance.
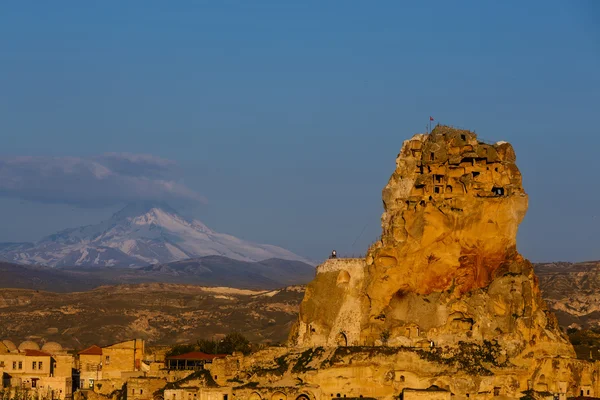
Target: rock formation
(446, 268)
(445, 275)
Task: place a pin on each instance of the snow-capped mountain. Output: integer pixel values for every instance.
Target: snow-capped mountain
(140, 234)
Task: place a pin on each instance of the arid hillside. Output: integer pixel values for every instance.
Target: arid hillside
(159, 313)
(572, 291)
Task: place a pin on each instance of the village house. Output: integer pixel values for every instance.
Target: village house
(116, 362)
(45, 371)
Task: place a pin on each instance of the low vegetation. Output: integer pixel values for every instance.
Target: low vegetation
(302, 364)
(202, 376)
(281, 366)
(472, 358)
(469, 357)
(586, 342)
(232, 342)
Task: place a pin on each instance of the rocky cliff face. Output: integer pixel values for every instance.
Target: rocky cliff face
(446, 269)
(452, 209)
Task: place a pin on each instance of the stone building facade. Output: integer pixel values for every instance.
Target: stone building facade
(111, 365)
(44, 372)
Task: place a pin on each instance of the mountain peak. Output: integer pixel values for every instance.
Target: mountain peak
(140, 234)
(138, 208)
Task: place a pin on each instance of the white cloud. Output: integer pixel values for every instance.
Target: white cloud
(96, 181)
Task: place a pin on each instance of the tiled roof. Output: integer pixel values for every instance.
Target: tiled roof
(36, 353)
(196, 355)
(91, 351)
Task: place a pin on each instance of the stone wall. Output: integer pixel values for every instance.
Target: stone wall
(223, 370)
(411, 394)
(121, 357)
(333, 306)
(143, 388)
(195, 393)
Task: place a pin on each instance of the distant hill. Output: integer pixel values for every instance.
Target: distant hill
(44, 278)
(160, 313)
(206, 271)
(222, 271)
(140, 234)
(572, 291)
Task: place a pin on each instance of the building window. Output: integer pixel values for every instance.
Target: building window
(107, 360)
(14, 365)
(20, 364)
(40, 366)
(141, 391)
(34, 365)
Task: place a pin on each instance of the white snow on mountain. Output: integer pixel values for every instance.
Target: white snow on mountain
(140, 234)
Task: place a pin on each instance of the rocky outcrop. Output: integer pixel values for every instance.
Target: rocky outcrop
(446, 268)
(446, 276)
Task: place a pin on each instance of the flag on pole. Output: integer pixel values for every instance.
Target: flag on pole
(431, 118)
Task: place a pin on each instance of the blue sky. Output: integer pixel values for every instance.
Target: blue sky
(287, 116)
